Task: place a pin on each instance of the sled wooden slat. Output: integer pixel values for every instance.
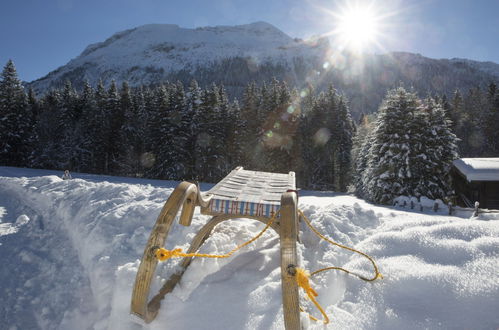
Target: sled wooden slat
(241, 194)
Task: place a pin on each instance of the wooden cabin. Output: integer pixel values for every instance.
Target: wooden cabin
(476, 180)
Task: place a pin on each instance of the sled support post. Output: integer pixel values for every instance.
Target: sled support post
(289, 261)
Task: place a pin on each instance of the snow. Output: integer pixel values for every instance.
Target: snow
(478, 169)
(70, 251)
(166, 48)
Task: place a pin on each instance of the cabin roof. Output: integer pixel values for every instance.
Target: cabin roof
(478, 169)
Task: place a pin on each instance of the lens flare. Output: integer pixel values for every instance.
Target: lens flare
(358, 26)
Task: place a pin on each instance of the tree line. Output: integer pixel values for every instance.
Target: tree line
(178, 132)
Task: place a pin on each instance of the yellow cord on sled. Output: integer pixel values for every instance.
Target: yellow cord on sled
(163, 254)
(301, 276)
(377, 274)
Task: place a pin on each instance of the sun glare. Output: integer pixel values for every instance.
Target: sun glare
(357, 26)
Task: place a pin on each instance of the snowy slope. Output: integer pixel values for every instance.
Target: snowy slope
(487, 67)
(148, 53)
(70, 250)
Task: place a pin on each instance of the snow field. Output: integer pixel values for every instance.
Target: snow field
(74, 247)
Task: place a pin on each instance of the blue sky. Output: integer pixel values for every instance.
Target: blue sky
(41, 35)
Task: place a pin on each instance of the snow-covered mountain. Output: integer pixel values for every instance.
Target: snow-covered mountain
(236, 55)
(487, 67)
(70, 250)
(158, 52)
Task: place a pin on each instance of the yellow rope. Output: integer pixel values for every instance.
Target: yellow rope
(302, 276)
(377, 273)
(163, 254)
(302, 280)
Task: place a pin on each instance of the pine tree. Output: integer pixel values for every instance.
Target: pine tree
(235, 144)
(34, 109)
(363, 142)
(129, 154)
(191, 127)
(392, 160)
(250, 123)
(491, 121)
(115, 118)
(89, 129)
(345, 129)
(180, 128)
(14, 118)
(214, 130)
(68, 124)
(280, 128)
(101, 127)
(438, 150)
(47, 153)
(316, 148)
(145, 160)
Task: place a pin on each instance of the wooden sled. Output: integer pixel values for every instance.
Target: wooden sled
(241, 194)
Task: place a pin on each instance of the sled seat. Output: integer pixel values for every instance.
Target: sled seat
(249, 193)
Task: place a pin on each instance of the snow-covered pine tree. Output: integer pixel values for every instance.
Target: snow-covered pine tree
(363, 142)
(180, 123)
(465, 120)
(344, 130)
(391, 160)
(205, 139)
(437, 151)
(191, 118)
(235, 143)
(491, 121)
(250, 122)
(33, 112)
(129, 145)
(69, 117)
(88, 128)
(268, 101)
(280, 128)
(216, 130)
(475, 104)
(115, 119)
(14, 118)
(144, 160)
(304, 136)
(317, 136)
(223, 165)
(47, 146)
(159, 134)
(100, 127)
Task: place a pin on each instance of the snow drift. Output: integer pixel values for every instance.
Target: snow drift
(70, 251)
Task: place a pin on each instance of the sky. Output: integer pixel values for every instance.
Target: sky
(42, 35)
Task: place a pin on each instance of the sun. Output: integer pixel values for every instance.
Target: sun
(357, 26)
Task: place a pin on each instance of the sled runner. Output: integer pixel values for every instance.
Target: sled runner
(267, 197)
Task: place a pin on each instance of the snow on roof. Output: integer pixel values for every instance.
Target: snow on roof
(478, 169)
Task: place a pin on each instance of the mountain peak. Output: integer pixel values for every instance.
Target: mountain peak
(154, 52)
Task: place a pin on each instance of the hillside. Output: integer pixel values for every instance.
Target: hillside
(237, 55)
(70, 251)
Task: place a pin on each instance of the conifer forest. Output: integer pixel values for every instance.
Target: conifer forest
(176, 132)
